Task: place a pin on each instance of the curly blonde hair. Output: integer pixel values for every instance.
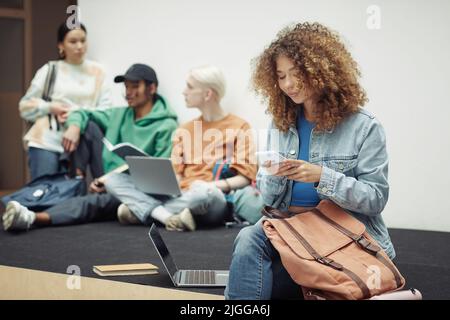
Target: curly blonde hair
(324, 66)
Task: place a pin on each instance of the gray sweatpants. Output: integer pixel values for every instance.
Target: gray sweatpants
(207, 203)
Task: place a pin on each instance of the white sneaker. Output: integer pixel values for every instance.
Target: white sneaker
(17, 217)
(187, 219)
(181, 221)
(125, 215)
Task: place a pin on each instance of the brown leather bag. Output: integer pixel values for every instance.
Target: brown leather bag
(330, 255)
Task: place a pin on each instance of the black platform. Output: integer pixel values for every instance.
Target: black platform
(422, 257)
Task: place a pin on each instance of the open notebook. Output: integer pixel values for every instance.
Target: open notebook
(125, 269)
(124, 149)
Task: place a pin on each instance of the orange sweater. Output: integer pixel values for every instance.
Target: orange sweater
(198, 145)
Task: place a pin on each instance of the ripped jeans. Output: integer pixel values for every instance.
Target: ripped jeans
(207, 203)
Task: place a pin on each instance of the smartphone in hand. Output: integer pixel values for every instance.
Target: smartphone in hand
(269, 161)
(273, 156)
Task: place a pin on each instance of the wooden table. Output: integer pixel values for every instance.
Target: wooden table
(24, 284)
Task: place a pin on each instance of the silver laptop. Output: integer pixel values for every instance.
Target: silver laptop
(186, 278)
(154, 175)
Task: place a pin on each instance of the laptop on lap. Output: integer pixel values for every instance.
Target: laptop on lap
(153, 175)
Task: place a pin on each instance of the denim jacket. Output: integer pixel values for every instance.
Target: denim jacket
(355, 170)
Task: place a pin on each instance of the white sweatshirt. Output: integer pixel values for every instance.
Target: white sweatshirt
(78, 86)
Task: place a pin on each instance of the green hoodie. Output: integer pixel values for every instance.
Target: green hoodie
(152, 133)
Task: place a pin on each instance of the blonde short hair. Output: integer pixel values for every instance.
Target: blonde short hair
(210, 77)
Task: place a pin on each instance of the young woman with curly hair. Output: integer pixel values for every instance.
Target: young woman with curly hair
(335, 151)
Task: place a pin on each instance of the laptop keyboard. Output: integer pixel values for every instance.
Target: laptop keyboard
(200, 277)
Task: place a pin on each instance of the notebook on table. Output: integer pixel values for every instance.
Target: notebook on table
(125, 269)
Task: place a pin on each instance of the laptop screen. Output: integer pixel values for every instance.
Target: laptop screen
(163, 251)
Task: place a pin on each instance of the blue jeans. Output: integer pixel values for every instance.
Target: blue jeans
(42, 162)
(89, 152)
(256, 272)
(207, 204)
(84, 209)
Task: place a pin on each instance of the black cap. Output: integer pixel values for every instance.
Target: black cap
(138, 72)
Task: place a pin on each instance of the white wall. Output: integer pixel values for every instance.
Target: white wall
(405, 69)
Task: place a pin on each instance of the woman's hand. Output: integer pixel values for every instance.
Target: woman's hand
(62, 117)
(71, 138)
(58, 108)
(299, 170)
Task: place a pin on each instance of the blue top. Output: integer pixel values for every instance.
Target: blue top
(304, 194)
(354, 171)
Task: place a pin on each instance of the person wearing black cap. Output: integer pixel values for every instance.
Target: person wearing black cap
(210, 141)
(148, 123)
(139, 72)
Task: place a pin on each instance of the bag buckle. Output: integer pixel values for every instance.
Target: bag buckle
(330, 263)
(367, 245)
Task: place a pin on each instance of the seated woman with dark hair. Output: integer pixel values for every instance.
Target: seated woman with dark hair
(78, 83)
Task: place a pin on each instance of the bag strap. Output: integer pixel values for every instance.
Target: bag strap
(310, 249)
(218, 168)
(273, 213)
(363, 243)
(360, 240)
(49, 82)
(326, 261)
(48, 91)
